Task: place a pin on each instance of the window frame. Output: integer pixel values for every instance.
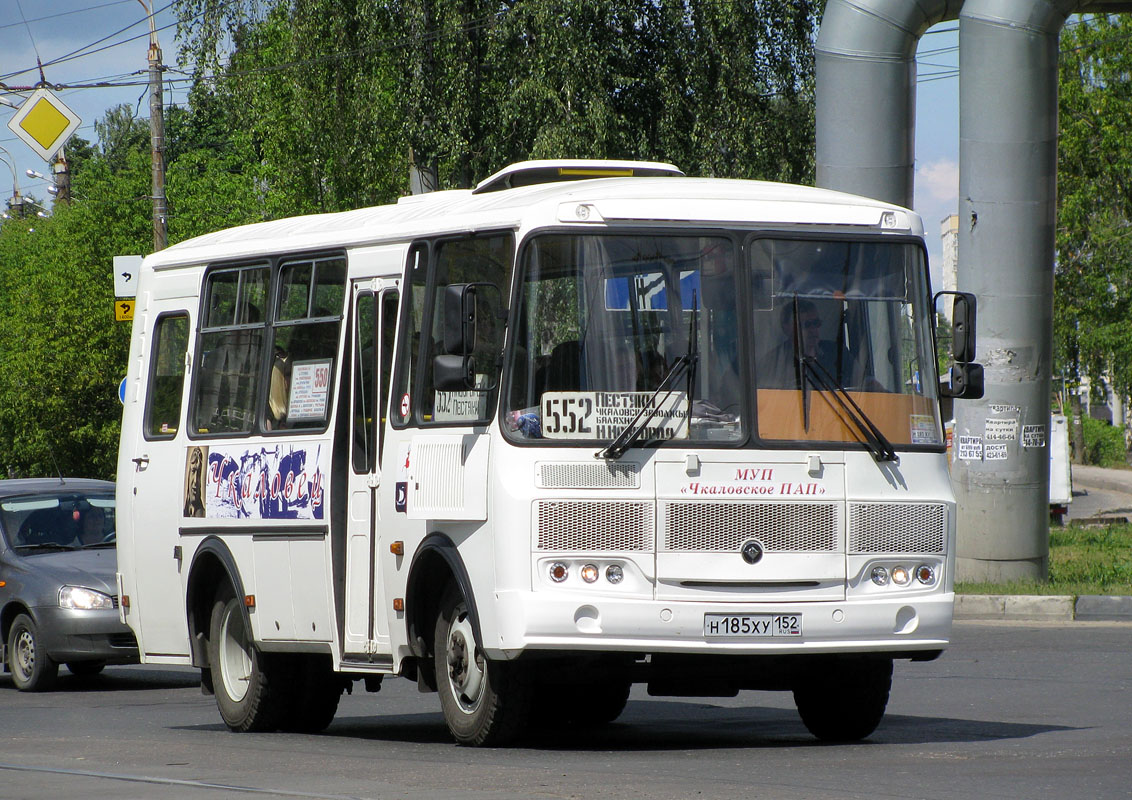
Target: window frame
(151, 377)
(413, 383)
(275, 263)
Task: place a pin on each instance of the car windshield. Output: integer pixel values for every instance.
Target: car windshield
(58, 521)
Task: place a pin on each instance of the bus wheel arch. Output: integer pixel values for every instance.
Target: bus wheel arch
(213, 567)
(436, 565)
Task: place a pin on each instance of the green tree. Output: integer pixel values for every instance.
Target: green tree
(1093, 280)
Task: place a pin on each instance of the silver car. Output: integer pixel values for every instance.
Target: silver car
(58, 595)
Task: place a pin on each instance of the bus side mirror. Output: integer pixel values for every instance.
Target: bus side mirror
(459, 318)
(454, 373)
(966, 377)
(963, 327)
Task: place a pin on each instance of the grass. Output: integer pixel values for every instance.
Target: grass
(1081, 561)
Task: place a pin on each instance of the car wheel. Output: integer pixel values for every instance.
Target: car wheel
(86, 669)
(484, 702)
(32, 669)
(249, 692)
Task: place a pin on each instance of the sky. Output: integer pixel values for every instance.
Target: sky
(108, 40)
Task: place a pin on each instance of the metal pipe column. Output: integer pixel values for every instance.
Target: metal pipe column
(1007, 215)
(865, 72)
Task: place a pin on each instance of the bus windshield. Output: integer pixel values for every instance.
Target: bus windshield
(798, 340)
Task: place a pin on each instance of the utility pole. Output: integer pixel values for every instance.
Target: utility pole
(62, 178)
(156, 134)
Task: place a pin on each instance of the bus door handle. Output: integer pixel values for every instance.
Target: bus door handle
(141, 462)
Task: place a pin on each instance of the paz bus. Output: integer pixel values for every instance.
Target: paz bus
(585, 425)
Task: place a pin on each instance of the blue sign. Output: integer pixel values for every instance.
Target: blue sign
(122, 392)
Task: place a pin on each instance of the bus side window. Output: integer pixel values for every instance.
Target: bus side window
(230, 348)
(390, 299)
(304, 343)
(166, 376)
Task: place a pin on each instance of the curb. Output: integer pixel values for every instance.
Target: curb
(1043, 607)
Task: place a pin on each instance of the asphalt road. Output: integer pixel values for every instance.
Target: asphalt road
(1010, 711)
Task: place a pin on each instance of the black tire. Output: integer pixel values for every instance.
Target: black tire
(32, 669)
(313, 692)
(599, 704)
(86, 669)
(583, 705)
(485, 703)
(843, 699)
(249, 687)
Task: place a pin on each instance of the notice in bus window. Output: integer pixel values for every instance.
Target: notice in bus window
(604, 415)
(310, 390)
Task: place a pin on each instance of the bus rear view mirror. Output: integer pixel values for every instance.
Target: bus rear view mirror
(966, 377)
(459, 318)
(963, 327)
(966, 382)
(454, 373)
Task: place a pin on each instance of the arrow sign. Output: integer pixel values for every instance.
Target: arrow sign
(123, 310)
(126, 269)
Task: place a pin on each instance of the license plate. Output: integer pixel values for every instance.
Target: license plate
(752, 625)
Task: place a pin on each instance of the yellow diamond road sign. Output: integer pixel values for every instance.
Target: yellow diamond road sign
(44, 123)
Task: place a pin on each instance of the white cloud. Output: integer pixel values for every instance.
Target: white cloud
(940, 181)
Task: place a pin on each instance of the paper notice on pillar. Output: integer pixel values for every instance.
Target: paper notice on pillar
(1033, 435)
(971, 448)
(996, 451)
(1000, 410)
(1002, 430)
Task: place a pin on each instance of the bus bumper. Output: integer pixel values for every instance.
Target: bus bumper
(536, 621)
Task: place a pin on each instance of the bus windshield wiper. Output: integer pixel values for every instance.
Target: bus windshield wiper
(640, 422)
(874, 440)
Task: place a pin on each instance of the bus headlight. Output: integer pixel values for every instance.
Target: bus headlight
(589, 573)
(614, 573)
(880, 576)
(901, 576)
(559, 572)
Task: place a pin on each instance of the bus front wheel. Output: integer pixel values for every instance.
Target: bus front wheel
(842, 699)
(484, 702)
(246, 695)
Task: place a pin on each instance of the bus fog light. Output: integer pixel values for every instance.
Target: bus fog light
(559, 572)
(880, 576)
(901, 576)
(589, 573)
(925, 574)
(614, 573)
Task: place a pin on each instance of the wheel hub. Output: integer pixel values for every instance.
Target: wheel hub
(465, 666)
(25, 654)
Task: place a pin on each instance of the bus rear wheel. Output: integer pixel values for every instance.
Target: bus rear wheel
(245, 686)
(842, 699)
(484, 702)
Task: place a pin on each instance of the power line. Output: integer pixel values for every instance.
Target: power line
(64, 14)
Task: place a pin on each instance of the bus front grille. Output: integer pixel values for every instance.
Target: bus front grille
(587, 475)
(724, 527)
(897, 528)
(593, 525)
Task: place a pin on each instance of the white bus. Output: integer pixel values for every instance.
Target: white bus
(586, 425)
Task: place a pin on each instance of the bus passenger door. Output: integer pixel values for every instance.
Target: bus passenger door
(374, 309)
(151, 476)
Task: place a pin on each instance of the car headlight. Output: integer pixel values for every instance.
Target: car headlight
(82, 599)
